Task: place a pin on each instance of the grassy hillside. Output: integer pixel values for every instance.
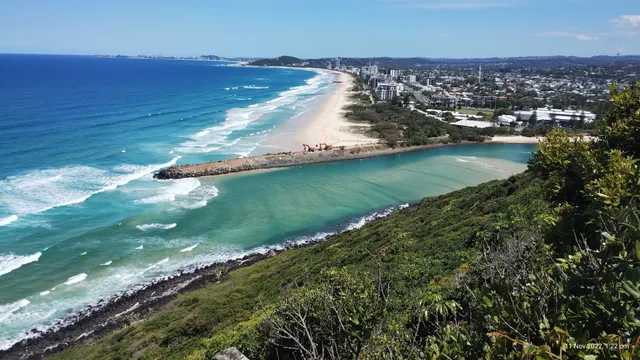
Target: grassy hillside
(422, 243)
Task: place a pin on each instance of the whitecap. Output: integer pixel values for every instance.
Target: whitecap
(201, 133)
(42, 190)
(83, 254)
(145, 227)
(124, 151)
(140, 247)
(45, 293)
(9, 263)
(255, 87)
(190, 248)
(107, 263)
(8, 220)
(75, 279)
(199, 198)
(180, 187)
(163, 261)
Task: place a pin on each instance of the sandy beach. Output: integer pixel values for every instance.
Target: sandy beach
(328, 124)
(515, 139)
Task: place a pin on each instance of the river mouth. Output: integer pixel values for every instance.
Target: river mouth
(241, 215)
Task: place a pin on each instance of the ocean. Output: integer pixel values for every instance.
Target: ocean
(81, 218)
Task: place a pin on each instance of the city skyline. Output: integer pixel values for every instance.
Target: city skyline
(314, 29)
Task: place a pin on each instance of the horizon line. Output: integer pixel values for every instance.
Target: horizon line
(333, 57)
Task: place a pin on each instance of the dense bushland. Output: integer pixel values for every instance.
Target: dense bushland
(400, 126)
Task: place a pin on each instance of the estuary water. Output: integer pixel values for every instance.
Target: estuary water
(82, 219)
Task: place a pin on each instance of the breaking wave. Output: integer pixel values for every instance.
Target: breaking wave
(76, 279)
(42, 190)
(146, 227)
(220, 137)
(8, 220)
(8, 263)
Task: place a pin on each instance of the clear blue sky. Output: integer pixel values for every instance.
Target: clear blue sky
(322, 28)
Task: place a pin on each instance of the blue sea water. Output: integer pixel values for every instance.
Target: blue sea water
(81, 218)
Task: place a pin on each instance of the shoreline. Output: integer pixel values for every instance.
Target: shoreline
(133, 306)
(328, 124)
(515, 139)
(324, 122)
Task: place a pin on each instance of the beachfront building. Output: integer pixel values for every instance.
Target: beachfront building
(375, 80)
(336, 63)
(411, 79)
(386, 91)
(561, 117)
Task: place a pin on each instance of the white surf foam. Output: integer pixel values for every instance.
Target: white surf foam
(140, 247)
(42, 190)
(190, 248)
(125, 280)
(171, 189)
(45, 293)
(376, 215)
(145, 227)
(255, 87)
(107, 263)
(7, 310)
(9, 263)
(201, 133)
(83, 254)
(199, 198)
(76, 279)
(163, 261)
(220, 136)
(8, 220)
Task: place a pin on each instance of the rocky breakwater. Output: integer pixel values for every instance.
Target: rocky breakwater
(281, 160)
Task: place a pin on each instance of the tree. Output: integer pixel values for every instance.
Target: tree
(533, 119)
(620, 127)
(406, 99)
(448, 117)
(574, 122)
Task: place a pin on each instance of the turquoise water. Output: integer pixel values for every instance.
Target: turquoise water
(91, 221)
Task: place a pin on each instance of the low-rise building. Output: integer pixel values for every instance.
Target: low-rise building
(559, 116)
(506, 119)
(473, 123)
